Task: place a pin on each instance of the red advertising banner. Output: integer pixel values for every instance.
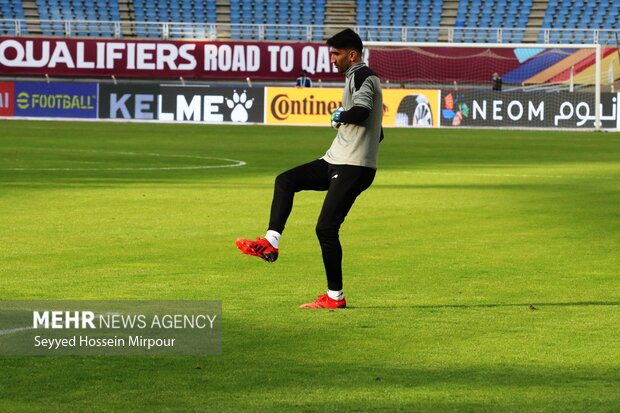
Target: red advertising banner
(7, 93)
(164, 59)
(274, 61)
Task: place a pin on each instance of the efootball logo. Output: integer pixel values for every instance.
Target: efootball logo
(23, 100)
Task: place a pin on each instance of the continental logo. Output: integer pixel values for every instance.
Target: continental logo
(282, 106)
(56, 101)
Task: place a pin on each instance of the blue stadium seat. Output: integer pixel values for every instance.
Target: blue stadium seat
(570, 14)
(416, 15)
(90, 18)
(183, 13)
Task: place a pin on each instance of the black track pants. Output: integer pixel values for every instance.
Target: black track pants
(343, 184)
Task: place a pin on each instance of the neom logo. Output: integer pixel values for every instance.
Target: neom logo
(282, 106)
(58, 101)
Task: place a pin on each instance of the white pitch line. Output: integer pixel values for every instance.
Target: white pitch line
(14, 330)
(171, 168)
(234, 162)
(488, 175)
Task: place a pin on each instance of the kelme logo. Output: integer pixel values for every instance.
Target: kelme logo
(23, 100)
(240, 106)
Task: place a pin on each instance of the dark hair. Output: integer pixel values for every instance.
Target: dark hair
(346, 39)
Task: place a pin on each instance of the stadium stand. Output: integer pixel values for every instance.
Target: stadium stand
(510, 15)
(422, 16)
(12, 10)
(294, 19)
(480, 21)
(181, 14)
(566, 15)
(92, 18)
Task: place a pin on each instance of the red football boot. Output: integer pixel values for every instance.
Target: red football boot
(323, 301)
(260, 248)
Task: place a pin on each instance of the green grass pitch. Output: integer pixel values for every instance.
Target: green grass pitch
(481, 268)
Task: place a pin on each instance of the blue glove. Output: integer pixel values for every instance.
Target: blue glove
(336, 115)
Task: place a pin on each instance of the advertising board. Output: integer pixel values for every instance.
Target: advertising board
(7, 98)
(56, 100)
(212, 104)
(313, 106)
(528, 109)
(129, 101)
(162, 59)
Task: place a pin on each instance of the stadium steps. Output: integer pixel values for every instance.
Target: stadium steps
(126, 10)
(339, 14)
(31, 12)
(539, 8)
(30, 9)
(448, 17)
(223, 19)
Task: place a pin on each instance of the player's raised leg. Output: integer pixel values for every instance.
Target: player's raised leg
(310, 176)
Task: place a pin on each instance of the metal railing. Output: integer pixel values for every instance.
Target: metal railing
(215, 31)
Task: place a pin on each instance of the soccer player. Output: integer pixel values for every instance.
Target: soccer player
(345, 171)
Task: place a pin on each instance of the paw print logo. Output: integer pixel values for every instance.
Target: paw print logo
(240, 106)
